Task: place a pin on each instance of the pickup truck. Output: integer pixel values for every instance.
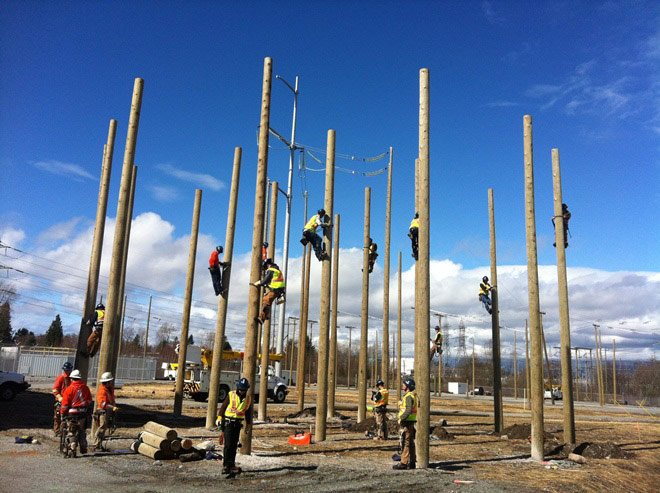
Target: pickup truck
(11, 384)
(197, 387)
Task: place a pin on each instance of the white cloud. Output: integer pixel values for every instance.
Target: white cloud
(65, 169)
(59, 231)
(201, 179)
(163, 193)
(11, 236)
(623, 303)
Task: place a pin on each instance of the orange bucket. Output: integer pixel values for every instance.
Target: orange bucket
(300, 439)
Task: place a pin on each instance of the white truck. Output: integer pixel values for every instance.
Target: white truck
(197, 379)
(11, 384)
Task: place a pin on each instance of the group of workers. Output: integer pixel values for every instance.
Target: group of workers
(74, 407)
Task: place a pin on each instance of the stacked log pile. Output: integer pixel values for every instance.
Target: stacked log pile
(161, 443)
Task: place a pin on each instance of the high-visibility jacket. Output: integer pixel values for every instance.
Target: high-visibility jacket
(100, 316)
(105, 397)
(277, 281)
(438, 339)
(484, 288)
(61, 383)
(76, 398)
(402, 407)
(414, 223)
(313, 223)
(213, 260)
(237, 407)
(384, 398)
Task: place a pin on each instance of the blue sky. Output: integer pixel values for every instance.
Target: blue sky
(587, 71)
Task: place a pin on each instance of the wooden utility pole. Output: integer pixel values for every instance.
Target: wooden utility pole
(187, 304)
(564, 321)
(422, 280)
(577, 376)
(527, 369)
(495, 321)
(250, 358)
(591, 376)
(265, 345)
(536, 395)
(221, 320)
(82, 360)
(310, 359)
(385, 369)
(515, 367)
(350, 354)
(398, 337)
(474, 382)
(324, 312)
(614, 370)
(599, 368)
(364, 322)
(146, 332)
(124, 262)
(302, 337)
(121, 332)
(332, 367)
(113, 299)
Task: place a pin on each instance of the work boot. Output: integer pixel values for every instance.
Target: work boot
(400, 466)
(411, 466)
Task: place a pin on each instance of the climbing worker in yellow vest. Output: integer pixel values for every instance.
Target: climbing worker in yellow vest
(94, 339)
(380, 397)
(566, 214)
(236, 409)
(274, 282)
(373, 254)
(484, 294)
(310, 235)
(413, 234)
(407, 419)
(436, 347)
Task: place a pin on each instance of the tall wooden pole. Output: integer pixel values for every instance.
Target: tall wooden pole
(422, 281)
(250, 358)
(187, 304)
(564, 321)
(533, 296)
(265, 344)
(495, 321)
(221, 320)
(350, 355)
(324, 311)
(332, 367)
(527, 369)
(121, 332)
(146, 332)
(515, 367)
(82, 360)
(398, 336)
(385, 372)
(591, 376)
(124, 263)
(577, 376)
(302, 338)
(614, 370)
(364, 322)
(113, 299)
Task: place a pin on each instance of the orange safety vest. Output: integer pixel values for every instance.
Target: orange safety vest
(278, 279)
(237, 407)
(384, 398)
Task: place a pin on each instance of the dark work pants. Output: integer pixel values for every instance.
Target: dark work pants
(414, 237)
(216, 276)
(315, 240)
(232, 434)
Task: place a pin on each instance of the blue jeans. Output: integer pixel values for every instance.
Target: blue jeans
(486, 301)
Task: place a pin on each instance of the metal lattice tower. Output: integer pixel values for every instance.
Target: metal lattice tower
(461, 338)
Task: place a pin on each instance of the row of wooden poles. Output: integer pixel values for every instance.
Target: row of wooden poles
(326, 373)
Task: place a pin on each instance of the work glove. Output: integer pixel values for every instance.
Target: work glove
(254, 284)
(59, 398)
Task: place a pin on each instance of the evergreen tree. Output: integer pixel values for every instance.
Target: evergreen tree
(55, 334)
(5, 322)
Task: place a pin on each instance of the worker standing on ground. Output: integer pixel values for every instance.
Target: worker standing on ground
(566, 215)
(217, 270)
(76, 405)
(373, 254)
(61, 383)
(484, 294)
(407, 419)
(413, 234)
(94, 339)
(436, 347)
(381, 398)
(236, 409)
(310, 235)
(104, 416)
(274, 282)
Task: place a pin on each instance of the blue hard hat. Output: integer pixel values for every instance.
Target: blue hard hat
(67, 366)
(243, 384)
(409, 383)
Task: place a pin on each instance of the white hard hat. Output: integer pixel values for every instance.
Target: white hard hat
(75, 374)
(107, 377)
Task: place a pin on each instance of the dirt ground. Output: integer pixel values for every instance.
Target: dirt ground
(464, 450)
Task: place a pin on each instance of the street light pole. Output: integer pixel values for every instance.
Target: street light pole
(287, 220)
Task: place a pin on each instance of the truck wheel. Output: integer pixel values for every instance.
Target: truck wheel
(7, 392)
(222, 393)
(280, 395)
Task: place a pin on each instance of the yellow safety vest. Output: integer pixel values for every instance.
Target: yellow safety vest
(237, 407)
(100, 315)
(278, 279)
(438, 339)
(414, 223)
(384, 398)
(311, 224)
(402, 407)
(484, 288)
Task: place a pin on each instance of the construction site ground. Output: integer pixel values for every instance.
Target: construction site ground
(465, 449)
